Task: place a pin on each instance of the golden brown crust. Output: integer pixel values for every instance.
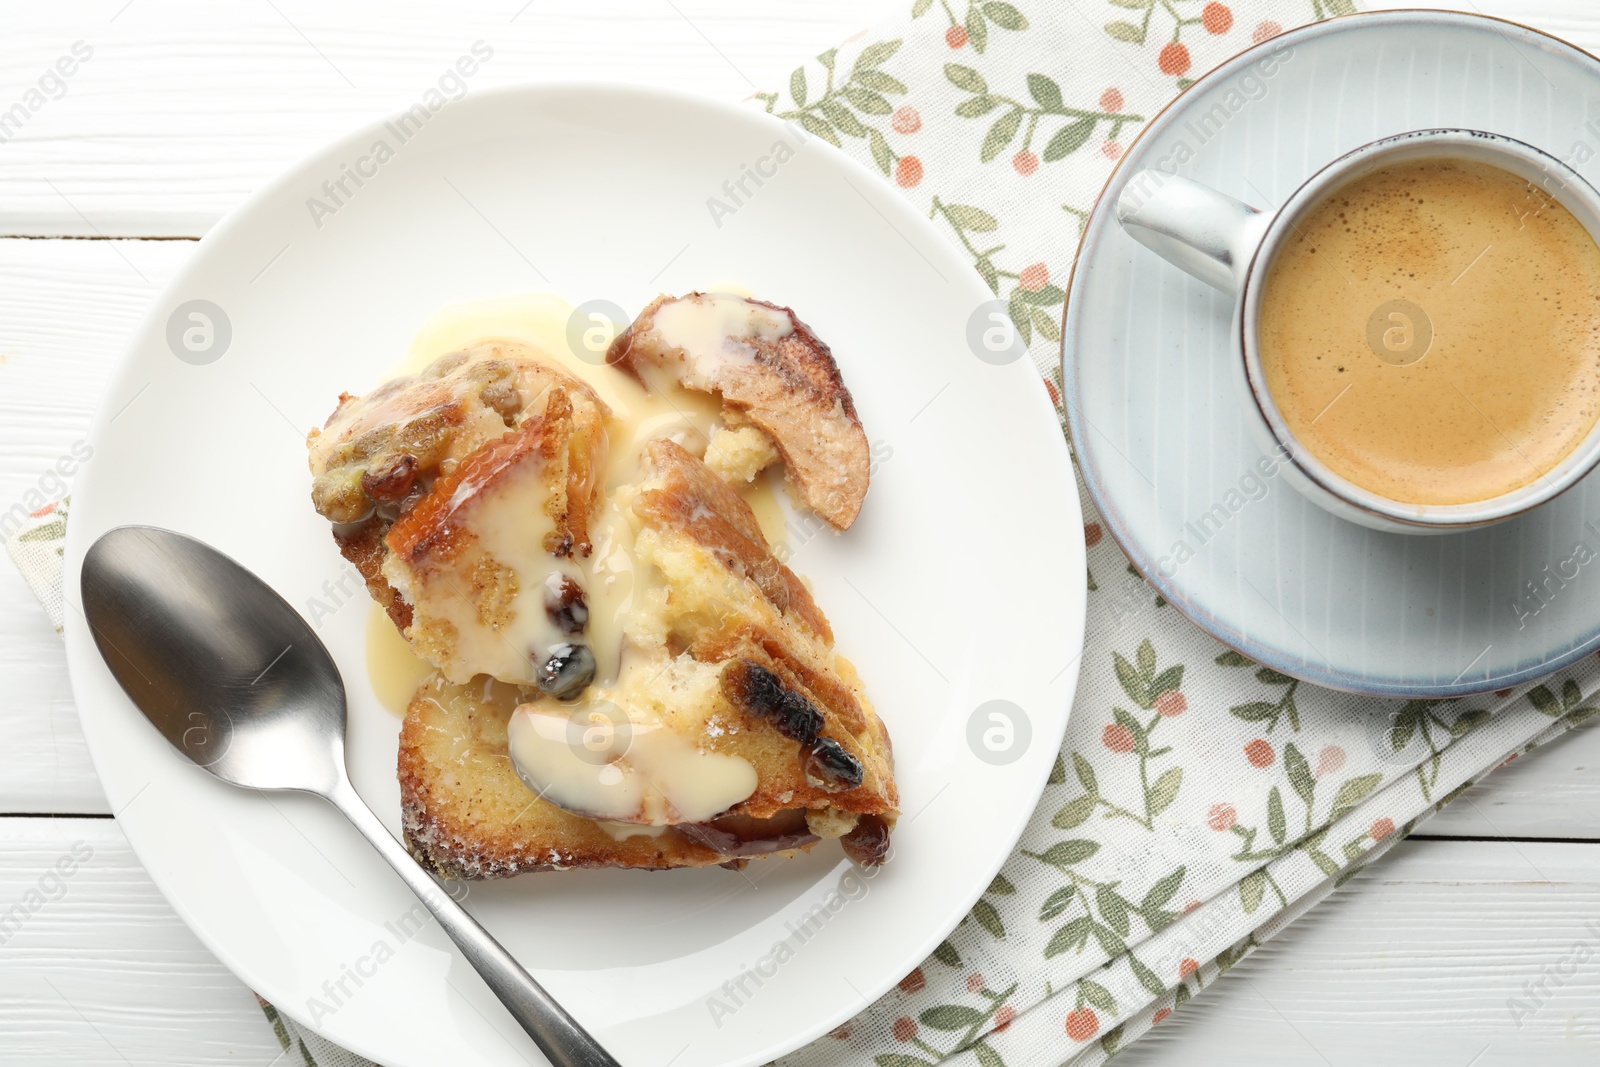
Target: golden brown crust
(454, 405)
(731, 618)
(362, 544)
(731, 602)
(389, 469)
(687, 498)
(466, 814)
(430, 528)
(790, 389)
(799, 668)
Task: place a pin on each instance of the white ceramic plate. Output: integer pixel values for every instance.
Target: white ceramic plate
(1159, 427)
(962, 582)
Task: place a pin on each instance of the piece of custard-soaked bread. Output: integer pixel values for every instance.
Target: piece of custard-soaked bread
(459, 493)
(732, 730)
(774, 376)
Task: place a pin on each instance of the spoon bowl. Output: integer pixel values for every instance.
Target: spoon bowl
(220, 663)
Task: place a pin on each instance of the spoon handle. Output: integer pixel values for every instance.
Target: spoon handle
(559, 1036)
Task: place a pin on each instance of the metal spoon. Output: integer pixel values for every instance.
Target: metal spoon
(236, 680)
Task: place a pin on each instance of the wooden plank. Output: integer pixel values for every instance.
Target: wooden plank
(66, 309)
(96, 968)
(1449, 953)
(1412, 962)
(1571, 20)
(183, 106)
(1552, 792)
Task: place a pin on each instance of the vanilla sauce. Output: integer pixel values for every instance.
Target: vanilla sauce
(665, 777)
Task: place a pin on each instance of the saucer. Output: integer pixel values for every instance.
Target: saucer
(1158, 422)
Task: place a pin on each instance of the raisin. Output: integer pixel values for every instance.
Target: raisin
(828, 766)
(742, 835)
(567, 672)
(564, 603)
(501, 394)
(752, 688)
(389, 482)
(868, 843)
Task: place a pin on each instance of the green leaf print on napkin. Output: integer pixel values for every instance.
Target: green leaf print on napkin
(1152, 690)
(854, 106)
(1047, 104)
(969, 1022)
(1031, 289)
(1268, 711)
(973, 29)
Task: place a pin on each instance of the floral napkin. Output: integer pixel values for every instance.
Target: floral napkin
(1200, 802)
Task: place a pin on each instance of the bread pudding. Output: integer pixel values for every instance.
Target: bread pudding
(626, 674)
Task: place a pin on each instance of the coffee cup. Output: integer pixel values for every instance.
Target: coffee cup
(1235, 248)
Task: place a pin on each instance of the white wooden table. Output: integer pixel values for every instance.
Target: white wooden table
(186, 106)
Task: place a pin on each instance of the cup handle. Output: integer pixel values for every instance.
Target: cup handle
(1192, 226)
